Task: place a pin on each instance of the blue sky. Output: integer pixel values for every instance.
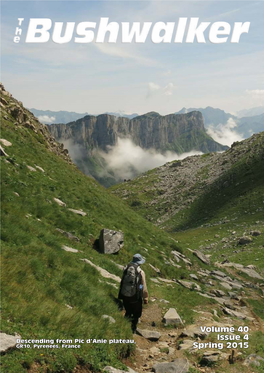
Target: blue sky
(133, 77)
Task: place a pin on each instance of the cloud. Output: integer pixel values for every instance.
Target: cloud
(168, 90)
(226, 133)
(126, 160)
(255, 92)
(153, 88)
(123, 52)
(46, 119)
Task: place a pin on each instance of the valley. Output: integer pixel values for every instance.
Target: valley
(198, 222)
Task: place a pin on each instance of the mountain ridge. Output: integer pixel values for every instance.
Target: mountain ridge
(176, 133)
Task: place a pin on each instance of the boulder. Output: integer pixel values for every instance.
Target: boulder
(171, 317)
(7, 341)
(255, 233)
(201, 256)
(110, 242)
(151, 335)
(180, 365)
(244, 240)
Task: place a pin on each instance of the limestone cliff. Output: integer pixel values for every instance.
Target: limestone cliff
(177, 132)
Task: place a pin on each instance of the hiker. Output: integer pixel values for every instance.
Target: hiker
(133, 289)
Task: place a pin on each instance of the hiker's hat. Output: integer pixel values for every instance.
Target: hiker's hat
(138, 259)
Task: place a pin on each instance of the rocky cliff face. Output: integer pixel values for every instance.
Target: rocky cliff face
(86, 138)
(181, 133)
(14, 111)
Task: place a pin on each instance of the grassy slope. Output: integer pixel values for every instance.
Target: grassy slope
(39, 278)
(241, 196)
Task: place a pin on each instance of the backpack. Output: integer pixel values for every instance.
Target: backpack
(130, 287)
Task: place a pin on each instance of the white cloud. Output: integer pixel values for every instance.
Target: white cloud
(127, 160)
(226, 133)
(168, 90)
(123, 52)
(255, 92)
(153, 88)
(46, 119)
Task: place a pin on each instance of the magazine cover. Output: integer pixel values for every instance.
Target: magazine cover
(132, 198)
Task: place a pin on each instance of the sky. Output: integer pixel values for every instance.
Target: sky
(134, 78)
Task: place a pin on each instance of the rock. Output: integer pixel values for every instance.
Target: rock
(118, 265)
(39, 168)
(186, 345)
(176, 366)
(189, 285)
(154, 351)
(2, 152)
(155, 280)
(237, 314)
(252, 273)
(78, 212)
(171, 317)
(194, 277)
(149, 334)
(166, 280)
(31, 168)
(226, 285)
(68, 235)
(59, 202)
(16, 194)
(254, 360)
(248, 269)
(5, 142)
(201, 256)
(109, 318)
(7, 341)
(217, 293)
(210, 357)
(193, 331)
(110, 369)
(164, 301)
(218, 273)
(244, 240)
(110, 242)
(154, 268)
(104, 273)
(69, 249)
